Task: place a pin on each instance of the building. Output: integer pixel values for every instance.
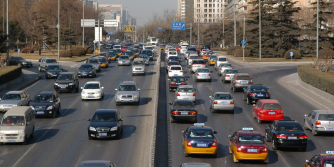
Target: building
(92, 3)
(209, 11)
(113, 11)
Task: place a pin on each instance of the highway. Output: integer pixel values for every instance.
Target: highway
(63, 141)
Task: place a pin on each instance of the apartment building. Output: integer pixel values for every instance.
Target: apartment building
(209, 11)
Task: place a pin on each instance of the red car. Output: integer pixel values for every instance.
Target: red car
(321, 160)
(178, 48)
(267, 110)
(124, 48)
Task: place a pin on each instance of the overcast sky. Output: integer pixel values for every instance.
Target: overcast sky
(144, 9)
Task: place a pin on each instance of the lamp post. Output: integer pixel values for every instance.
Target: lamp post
(235, 28)
(58, 26)
(7, 37)
(260, 29)
(317, 30)
(83, 23)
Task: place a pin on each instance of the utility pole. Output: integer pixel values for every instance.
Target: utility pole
(235, 28)
(198, 31)
(191, 28)
(58, 26)
(243, 46)
(260, 29)
(98, 23)
(3, 17)
(317, 30)
(83, 24)
(223, 1)
(7, 38)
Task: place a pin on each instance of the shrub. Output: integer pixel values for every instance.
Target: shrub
(296, 54)
(239, 53)
(27, 50)
(65, 53)
(9, 73)
(326, 53)
(88, 50)
(78, 51)
(316, 78)
(230, 50)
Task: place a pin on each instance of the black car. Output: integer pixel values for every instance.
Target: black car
(67, 81)
(105, 123)
(95, 163)
(149, 53)
(183, 110)
(288, 134)
(171, 63)
(16, 60)
(252, 93)
(52, 71)
(175, 81)
(86, 70)
(46, 103)
(173, 58)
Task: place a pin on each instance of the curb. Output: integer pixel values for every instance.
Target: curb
(66, 61)
(29, 83)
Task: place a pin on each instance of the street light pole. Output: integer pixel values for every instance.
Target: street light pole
(260, 29)
(224, 32)
(317, 30)
(7, 38)
(243, 46)
(198, 31)
(83, 24)
(235, 28)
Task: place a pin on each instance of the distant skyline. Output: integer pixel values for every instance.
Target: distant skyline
(144, 9)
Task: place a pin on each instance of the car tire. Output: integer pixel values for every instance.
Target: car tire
(247, 99)
(314, 132)
(58, 111)
(266, 138)
(303, 149)
(223, 80)
(212, 110)
(243, 97)
(77, 89)
(54, 115)
(32, 134)
(229, 150)
(195, 120)
(232, 111)
(305, 126)
(90, 138)
(117, 104)
(25, 140)
(258, 120)
(186, 154)
(209, 80)
(214, 155)
(273, 144)
(46, 77)
(171, 120)
(233, 89)
(196, 80)
(254, 115)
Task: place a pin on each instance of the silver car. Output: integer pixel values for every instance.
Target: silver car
(13, 99)
(222, 67)
(228, 74)
(124, 60)
(95, 62)
(192, 57)
(138, 66)
(186, 92)
(240, 81)
(127, 92)
(203, 74)
(197, 63)
(146, 59)
(221, 101)
(319, 121)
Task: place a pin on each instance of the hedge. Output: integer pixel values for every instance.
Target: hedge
(9, 73)
(230, 50)
(326, 53)
(27, 50)
(65, 53)
(316, 78)
(296, 54)
(78, 51)
(239, 53)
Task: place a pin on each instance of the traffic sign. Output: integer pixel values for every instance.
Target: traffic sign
(291, 54)
(159, 29)
(128, 28)
(243, 42)
(178, 26)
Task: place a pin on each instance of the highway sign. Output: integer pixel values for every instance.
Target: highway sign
(128, 28)
(178, 26)
(88, 23)
(110, 23)
(243, 42)
(291, 54)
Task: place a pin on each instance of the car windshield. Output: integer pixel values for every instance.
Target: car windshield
(222, 59)
(124, 57)
(184, 104)
(103, 54)
(243, 78)
(223, 96)
(193, 57)
(198, 62)
(11, 97)
(53, 67)
(250, 139)
(148, 48)
(92, 61)
(92, 86)
(128, 53)
(231, 71)
(290, 127)
(200, 134)
(172, 53)
(147, 52)
(20, 58)
(127, 88)
(258, 88)
(225, 65)
(117, 46)
(326, 117)
(65, 77)
(51, 61)
(43, 98)
(143, 56)
(138, 63)
(272, 106)
(102, 60)
(13, 121)
(177, 79)
(112, 54)
(173, 58)
(87, 67)
(104, 117)
(186, 90)
(328, 163)
(173, 63)
(213, 57)
(175, 68)
(203, 70)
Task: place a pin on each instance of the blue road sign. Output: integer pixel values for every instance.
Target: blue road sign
(291, 53)
(243, 42)
(178, 26)
(159, 29)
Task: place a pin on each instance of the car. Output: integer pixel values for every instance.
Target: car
(252, 93)
(105, 123)
(212, 60)
(170, 64)
(130, 54)
(199, 139)
(124, 60)
(127, 92)
(228, 74)
(197, 63)
(104, 62)
(192, 57)
(95, 163)
(247, 144)
(319, 121)
(203, 74)
(186, 92)
(52, 71)
(240, 80)
(222, 101)
(183, 49)
(195, 164)
(149, 48)
(13, 99)
(182, 110)
(105, 55)
(321, 160)
(222, 67)
(112, 55)
(267, 110)
(117, 47)
(188, 52)
(149, 53)
(44, 61)
(92, 90)
(175, 81)
(67, 81)
(172, 53)
(86, 70)
(145, 58)
(286, 134)
(206, 56)
(124, 48)
(221, 59)
(175, 70)
(95, 62)
(173, 58)
(46, 103)
(138, 66)
(119, 52)
(17, 60)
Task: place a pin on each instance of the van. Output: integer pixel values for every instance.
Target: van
(17, 125)
(221, 59)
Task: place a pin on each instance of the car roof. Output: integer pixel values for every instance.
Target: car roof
(324, 111)
(176, 66)
(14, 92)
(221, 56)
(87, 64)
(186, 86)
(54, 64)
(95, 163)
(90, 82)
(286, 122)
(222, 93)
(196, 164)
(45, 92)
(92, 58)
(139, 59)
(18, 110)
(203, 68)
(128, 83)
(248, 132)
(106, 110)
(200, 127)
(269, 101)
(327, 156)
(240, 74)
(67, 72)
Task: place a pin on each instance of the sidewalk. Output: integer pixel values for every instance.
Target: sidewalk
(26, 79)
(316, 97)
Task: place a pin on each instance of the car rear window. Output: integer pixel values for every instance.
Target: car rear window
(250, 139)
(290, 127)
(173, 63)
(326, 117)
(272, 106)
(172, 53)
(329, 163)
(200, 134)
(223, 96)
(185, 104)
(173, 58)
(243, 78)
(231, 71)
(258, 88)
(226, 65)
(178, 79)
(186, 90)
(198, 62)
(193, 57)
(203, 70)
(175, 68)
(221, 59)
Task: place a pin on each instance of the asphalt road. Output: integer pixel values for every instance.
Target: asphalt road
(224, 123)
(63, 141)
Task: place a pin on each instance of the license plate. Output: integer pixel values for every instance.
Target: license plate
(184, 113)
(292, 137)
(40, 112)
(260, 95)
(126, 100)
(84, 74)
(223, 102)
(62, 87)
(198, 66)
(201, 145)
(54, 75)
(252, 150)
(271, 113)
(175, 75)
(90, 96)
(103, 134)
(186, 98)
(11, 141)
(329, 128)
(244, 82)
(203, 74)
(178, 83)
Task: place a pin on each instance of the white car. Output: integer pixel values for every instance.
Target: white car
(171, 53)
(175, 70)
(221, 59)
(183, 49)
(92, 90)
(117, 47)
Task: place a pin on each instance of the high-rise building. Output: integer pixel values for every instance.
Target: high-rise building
(112, 11)
(209, 11)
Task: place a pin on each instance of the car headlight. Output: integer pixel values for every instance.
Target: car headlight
(21, 133)
(14, 105)
(135, 96)
(24, 63)
(83, 92)
(49, 73)
(55, 83)
(98, 92)
(79, 71)
(113, 128)
(50, 108)
(71, 84)
(92, 128)
(32, 107)
(2, 133)
(90, 71)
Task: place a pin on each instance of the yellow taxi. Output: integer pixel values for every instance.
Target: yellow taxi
(212, 60)
(247, 144)
(321, 160)
(103, 61)
(199, 139)
(162, 47)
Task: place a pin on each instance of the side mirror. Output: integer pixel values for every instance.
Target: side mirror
(214, 132)
(81, 87)
(306, 115)
(254, 105)
(182, 132)
(138, 89)
(88, 119)
(210, 97)
(170, 103)
(267, 126)
(116, 89)
(120, 119)
(307, 161)
(102, 87)
(229, 136)
(28, 123)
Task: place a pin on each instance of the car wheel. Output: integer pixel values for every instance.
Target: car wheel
(234, 158)
(24, 140)
(54, 114)
(77, 89)
(133, 74)
(248, 101)
(171, 120)
(212, 110)
(90, 138)
(117, 104)
(233, 89)
(314, 132)
(58, 112)
(32, 134)
(214, 155)
(266, 138)
(258, 120)
(243, 97)
(229, 150)
(305, 126)
(195, 120)
(223, 80)
(196, 80)
(273, 144)
(186, 154)
(254, 115)
(46, 77)
(303, 149)
(232, 111)
(266, 161)
(209, 80)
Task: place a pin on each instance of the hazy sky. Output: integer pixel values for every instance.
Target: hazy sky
(144, 9)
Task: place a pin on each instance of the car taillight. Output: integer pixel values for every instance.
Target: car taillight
(175, 112)
(214, 144)
(181, 71)
(265, 150)
(303, 137)
(268, 95)
(226, 59)
(203, 64)
(169, 71)
(209, 75)
(184, 83)
(194, 94)
(227, 75)
(167, 66)
(197, 74)
(193, 113)
(215, 102)
(261, 111)
(172, 83)
(318, 123)
(280, 137)
(231, 102)
(251, 94)
(239, 149)
(178, 94)
(235, 81)
(220, 69)
(189, 144)
(232, 68)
